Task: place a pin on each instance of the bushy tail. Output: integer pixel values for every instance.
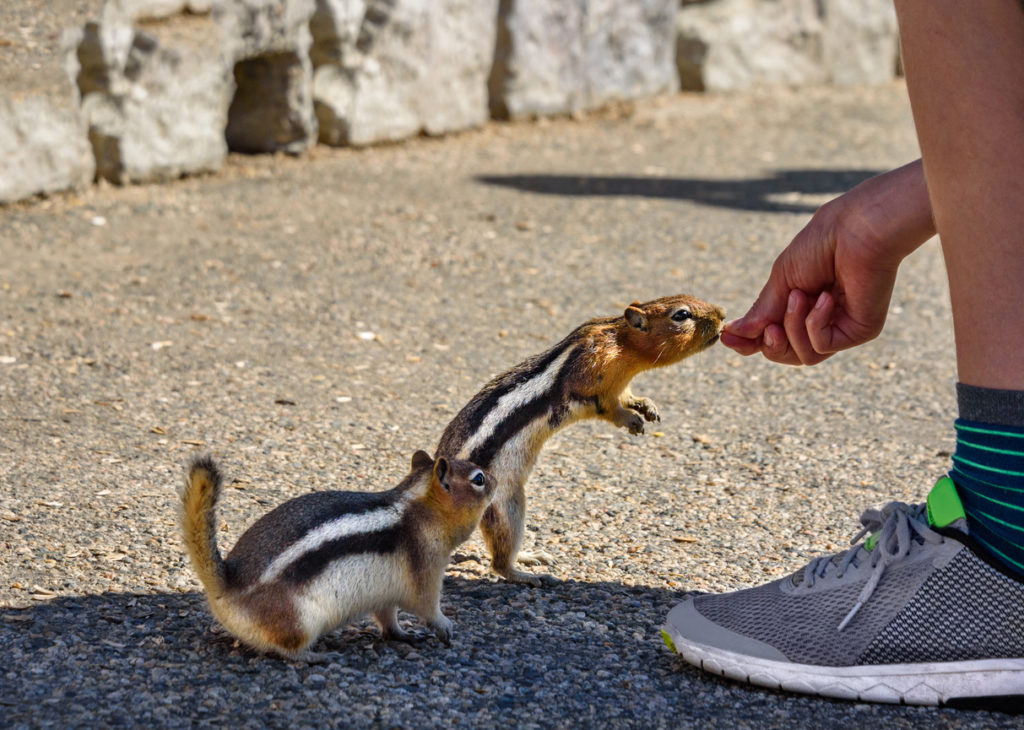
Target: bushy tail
(199, 522)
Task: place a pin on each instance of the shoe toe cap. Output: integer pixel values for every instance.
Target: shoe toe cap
(690, 629)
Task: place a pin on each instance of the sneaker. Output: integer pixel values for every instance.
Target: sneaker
(915, 614)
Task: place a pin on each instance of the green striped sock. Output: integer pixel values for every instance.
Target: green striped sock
(988, 469)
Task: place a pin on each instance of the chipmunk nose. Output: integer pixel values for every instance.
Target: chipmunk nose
(713, 326)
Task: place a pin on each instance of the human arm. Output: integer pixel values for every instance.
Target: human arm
(829, 290)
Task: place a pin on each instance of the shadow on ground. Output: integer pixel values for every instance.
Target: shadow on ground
(564, 651)
(775, 193)
(158, 657)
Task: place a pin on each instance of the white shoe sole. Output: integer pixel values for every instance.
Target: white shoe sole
(980, 684)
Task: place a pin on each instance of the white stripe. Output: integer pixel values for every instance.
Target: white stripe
(515, 399)
(336, 529)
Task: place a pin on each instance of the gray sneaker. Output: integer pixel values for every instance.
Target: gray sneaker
(913, 614)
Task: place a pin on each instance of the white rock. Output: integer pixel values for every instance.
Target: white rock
(153, 9)
(390, 69)
(559, 57)
(629, 50)
(156, 105)
(861, 41)
(43, 145)
(726, 45)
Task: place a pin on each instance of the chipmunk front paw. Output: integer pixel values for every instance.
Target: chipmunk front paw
(634, 422)
(645, 407)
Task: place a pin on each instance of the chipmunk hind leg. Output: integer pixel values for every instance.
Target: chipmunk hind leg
(389, 628)
(502, 527)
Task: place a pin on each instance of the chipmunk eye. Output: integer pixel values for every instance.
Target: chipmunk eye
(477, 478)
(682, 315)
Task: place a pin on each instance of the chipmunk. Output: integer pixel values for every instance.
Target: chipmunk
(586, 375)
(326, 558)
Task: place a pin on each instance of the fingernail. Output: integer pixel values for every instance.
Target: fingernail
(793, 302)
(821, 300)
(769, 341)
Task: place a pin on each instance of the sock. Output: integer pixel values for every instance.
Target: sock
(988, 469)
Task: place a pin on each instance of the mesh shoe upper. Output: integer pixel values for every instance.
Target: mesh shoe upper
(804, 625)
(908, 595)
(967, 610)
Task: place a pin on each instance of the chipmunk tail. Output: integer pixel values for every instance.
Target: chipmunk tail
(199, 522)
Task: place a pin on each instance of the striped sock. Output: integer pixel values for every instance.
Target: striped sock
(988, 469)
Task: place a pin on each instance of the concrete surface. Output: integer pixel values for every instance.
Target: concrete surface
(231, 313)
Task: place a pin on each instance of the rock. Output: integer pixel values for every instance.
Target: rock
(726, 45)
(268, 41)
(156, 101)
(44, 145)
(390, 69)
(155, 9)
(861, 41)
(556, 58)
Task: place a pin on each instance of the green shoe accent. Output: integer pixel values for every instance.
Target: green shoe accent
(944, 507)
(668, 641)
(870, 543)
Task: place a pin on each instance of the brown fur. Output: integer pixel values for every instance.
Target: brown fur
(438, 508)
(598, 360)
(198, 501)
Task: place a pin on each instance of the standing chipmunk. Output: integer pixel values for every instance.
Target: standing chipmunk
(586, 375)
(326, 558)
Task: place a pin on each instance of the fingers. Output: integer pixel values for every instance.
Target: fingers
(776, 346)
(803, 335)
(798, 325)
(820, 331)
(769, 307)
(742, 345)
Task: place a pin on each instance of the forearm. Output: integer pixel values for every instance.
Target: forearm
(889, 213)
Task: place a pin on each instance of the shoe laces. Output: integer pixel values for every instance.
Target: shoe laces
(896, 529)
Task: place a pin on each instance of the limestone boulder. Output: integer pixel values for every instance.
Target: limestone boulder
(391, 69)
(155, 9)
(155, 101)
(726, 45)
(556, 58)
(44, 144)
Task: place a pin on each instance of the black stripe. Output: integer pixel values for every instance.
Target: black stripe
(310, 565)
(288, 523)
(505, 384)
(484, 454)
(559, 396)
(554, 399)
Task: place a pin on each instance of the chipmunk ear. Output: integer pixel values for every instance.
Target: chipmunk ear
(441, 472)
(421, 460)
(635, 317)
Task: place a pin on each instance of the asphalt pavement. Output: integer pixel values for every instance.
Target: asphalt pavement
(313, 321)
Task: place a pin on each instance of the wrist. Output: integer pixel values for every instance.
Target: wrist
(889, 216)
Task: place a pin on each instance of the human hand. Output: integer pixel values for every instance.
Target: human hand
(829, 290)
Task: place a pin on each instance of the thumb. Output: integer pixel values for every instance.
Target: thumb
(768, 308)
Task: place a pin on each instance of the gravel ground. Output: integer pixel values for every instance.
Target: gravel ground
(314, 321)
